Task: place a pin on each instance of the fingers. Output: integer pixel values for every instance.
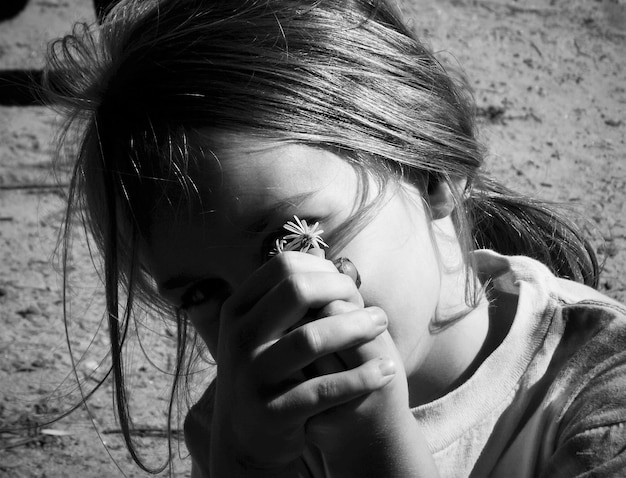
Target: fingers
(319, 394)
(284, 265)
(313, 340)
(268, 275)
(379, 345)
(285, 305)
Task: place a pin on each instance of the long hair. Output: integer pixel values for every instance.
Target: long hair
(341, 75)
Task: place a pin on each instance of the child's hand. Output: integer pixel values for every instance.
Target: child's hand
(263, 400)
(376, 433)
(367, 418)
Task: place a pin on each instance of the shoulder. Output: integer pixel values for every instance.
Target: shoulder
(580, 315)
(591, 423)
(587, 328)
(578, 301)
(570, 292)
(578, 345)
(594, 326)
(594, 339)
(592, 354)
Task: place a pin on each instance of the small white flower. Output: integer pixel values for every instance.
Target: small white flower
(279, 246)
(301, 237)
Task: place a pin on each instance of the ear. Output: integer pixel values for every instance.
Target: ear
(440, 197)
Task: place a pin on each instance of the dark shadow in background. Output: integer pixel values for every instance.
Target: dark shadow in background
(23, 87)
(10, 8)
(20, 88)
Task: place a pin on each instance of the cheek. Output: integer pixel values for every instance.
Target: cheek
(407, 287)
(401, 274)
(408, 290)
(399, 266)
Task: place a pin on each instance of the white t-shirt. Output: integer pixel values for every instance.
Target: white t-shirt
(551, 399)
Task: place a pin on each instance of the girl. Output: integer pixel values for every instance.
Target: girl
(207, 126)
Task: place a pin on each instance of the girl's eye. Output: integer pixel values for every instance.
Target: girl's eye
(205, 291)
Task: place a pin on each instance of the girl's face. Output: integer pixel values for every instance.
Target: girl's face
(251, 191)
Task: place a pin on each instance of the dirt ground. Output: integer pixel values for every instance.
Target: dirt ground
(550, 82)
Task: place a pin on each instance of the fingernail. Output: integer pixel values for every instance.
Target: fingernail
(387, 367)
(378, 316)
(345, 266)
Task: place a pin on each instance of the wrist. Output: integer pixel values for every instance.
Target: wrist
(396, 447)
(230, 457)
(226, 462)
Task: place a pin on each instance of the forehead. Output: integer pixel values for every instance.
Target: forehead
(245, 176)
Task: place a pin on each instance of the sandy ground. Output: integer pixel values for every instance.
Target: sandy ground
(549, 78)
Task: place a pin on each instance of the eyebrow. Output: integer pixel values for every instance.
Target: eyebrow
(256, 226)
